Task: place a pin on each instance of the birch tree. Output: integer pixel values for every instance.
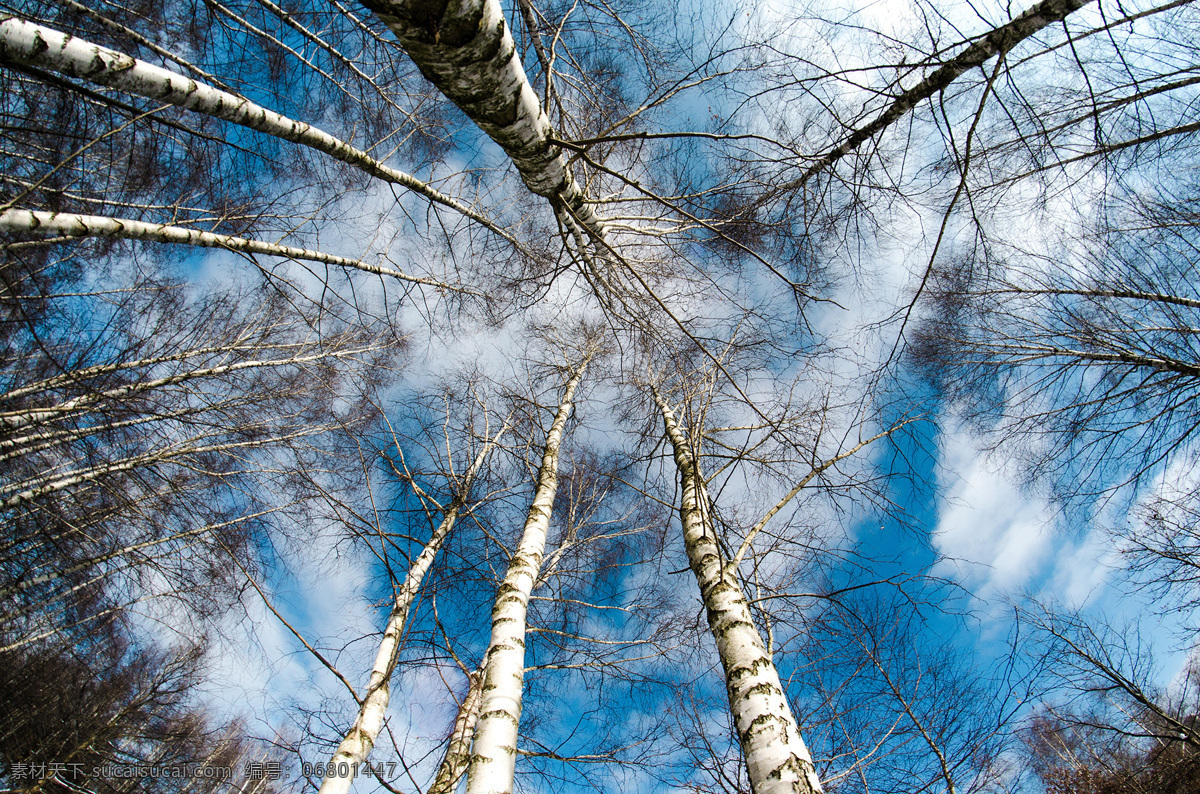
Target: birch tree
(118, 708)
(458, 751)
(693, 187)
(355, 748)
(494, 747)
(1104, 722)
(130, 451)
(776, 757)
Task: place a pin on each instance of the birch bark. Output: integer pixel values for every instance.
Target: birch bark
(71, 377)
(12, 420)
(67, 224)
(777, 760)
(42, 47)
(996, 42)
(41, 486)
(458, 752)
(466, 50)
(356, 746)
(493, 756)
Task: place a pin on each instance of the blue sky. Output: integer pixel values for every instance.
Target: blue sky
(926, 539)
(963, 517)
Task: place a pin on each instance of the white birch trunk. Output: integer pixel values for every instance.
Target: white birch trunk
(458, 752)
(466, 50)
(79, 375)
(30, 44)
(494, 754)
(40, 439)
(45, 485)
(777, 759)
(67, 224)
(996, 42)
(356, 746)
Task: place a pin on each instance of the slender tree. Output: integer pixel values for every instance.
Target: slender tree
(458, 750)
(776, 757)
(355, 748)
(494, 748)
(783, 196)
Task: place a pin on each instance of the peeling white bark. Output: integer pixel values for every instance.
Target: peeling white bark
(458, 752)
(356, 746)
(67, 224)
(27, 43)
(777, 760)
(494, 754)
(466, 50)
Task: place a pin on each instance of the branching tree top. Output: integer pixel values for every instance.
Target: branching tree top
(536, 374)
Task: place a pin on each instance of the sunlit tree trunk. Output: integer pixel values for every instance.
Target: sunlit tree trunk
(777, 759)
(67, 224)
(493, 756)
(179, 452)
(998, 41)
(458, 752)
(467, 51)
(355, 748)
(42, 47)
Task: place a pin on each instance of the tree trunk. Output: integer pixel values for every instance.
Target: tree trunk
(14, 494)
(356, 746)
(466, 50)
(13, 420)
(41, 47)
(458, 752)
(996, 42)
(777, 759)
(493, 757)
(67, 224)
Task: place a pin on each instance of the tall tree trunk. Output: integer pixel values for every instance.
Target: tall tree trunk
(777, 759)
(466, 50)
(14, 494)
(493, 757)
(12, 420)
(996, 42)
(356, 746)
(458, 752)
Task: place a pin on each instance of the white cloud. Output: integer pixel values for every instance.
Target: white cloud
(998, 538)
(993, 536)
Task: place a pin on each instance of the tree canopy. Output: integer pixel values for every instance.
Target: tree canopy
(569, 395)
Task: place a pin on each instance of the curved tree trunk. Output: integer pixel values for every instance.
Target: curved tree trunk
(493, 757)
(777, 760)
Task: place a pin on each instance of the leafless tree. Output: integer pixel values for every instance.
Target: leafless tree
(113, 718)
(1107, 725)
(707, 251)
